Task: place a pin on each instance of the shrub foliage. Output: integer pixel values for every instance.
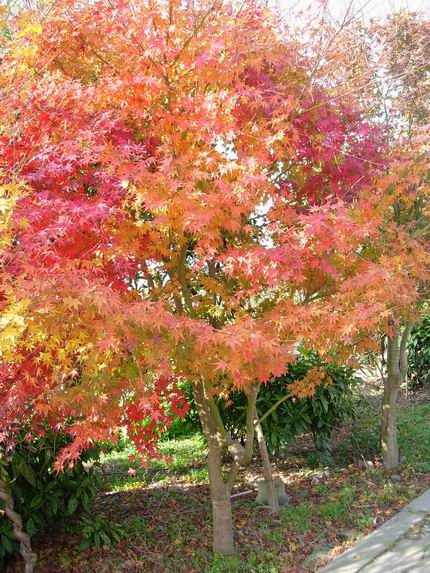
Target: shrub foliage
(333, 403)
(419, 354)
(43, 497)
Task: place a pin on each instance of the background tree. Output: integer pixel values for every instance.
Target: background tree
(404, 55)
(384, 65)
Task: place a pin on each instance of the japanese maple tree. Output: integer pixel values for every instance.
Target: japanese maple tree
(180, 202)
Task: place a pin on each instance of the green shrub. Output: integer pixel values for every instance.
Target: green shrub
(7, 539)
(419, 354)
(334, 402)
(43, 497)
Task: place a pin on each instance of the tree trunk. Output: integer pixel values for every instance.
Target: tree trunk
(222, 522)
(397, 365)
(267, 468)
(390, 450)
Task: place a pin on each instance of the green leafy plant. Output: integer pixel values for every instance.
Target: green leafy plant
(333, 403)
(98, 531)
(7, 538)
(43, 497)
(419, 354)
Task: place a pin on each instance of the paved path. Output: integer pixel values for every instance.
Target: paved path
(401, 545)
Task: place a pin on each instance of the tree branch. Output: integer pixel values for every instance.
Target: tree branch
(241, 455)
(181, 273)
(194, 34)
(273, 408)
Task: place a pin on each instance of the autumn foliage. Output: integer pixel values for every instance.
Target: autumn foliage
(183, 197)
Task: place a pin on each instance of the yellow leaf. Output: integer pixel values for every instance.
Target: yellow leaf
(31, 29)
(46, 358)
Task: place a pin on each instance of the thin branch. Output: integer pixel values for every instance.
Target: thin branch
(241, 455)
(194, 34)
(273, 408)
(182, 280)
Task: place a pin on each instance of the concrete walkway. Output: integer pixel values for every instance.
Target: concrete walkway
(401, 545)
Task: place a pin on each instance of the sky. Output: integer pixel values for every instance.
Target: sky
(369, 8)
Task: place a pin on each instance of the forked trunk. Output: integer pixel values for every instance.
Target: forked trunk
(222, 522)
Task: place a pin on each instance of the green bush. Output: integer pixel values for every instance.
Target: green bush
(334, 402)
(419, 354)
(43, 497)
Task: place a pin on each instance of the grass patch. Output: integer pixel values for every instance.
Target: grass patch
(413, 435)
(296, 519)
(182, 459)
(339, 508)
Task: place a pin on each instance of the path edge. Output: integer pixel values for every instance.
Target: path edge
(377, 542)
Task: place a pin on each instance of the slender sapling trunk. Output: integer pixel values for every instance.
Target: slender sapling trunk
(267, 468)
